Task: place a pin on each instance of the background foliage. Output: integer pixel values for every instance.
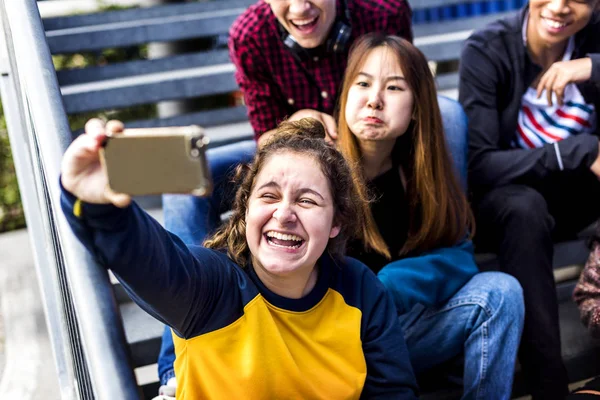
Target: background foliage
(11, 210)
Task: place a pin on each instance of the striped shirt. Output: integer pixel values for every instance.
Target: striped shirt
(539, 123)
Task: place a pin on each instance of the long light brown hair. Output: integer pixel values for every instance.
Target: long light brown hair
(305, 137)
(439, 214)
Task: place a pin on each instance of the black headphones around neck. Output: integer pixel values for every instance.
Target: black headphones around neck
(336, 42)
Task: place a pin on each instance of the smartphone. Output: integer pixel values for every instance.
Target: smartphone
(148, 161)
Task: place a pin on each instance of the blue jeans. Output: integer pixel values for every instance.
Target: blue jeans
(483, 321)
(192, 218)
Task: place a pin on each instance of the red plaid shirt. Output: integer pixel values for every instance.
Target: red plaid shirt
(273, 83)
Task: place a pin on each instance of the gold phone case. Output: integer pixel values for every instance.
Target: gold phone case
(157, 160)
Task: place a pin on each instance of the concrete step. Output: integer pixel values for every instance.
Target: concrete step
(143, 333)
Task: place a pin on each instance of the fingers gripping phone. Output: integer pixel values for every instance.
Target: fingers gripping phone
(157, 160)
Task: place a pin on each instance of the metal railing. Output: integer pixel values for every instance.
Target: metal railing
(85, 328)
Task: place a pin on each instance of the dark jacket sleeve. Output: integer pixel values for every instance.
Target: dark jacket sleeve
(266, 107)
(595, 69)
(489, 164)
(389, 371)
(176, 285)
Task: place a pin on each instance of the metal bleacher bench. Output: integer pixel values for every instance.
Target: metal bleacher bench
(201, 74)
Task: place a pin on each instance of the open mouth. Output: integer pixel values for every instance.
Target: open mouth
(554, 24)
(286, 241)
(304, 25)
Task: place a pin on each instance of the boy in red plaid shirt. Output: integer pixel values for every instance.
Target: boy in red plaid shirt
(278, 81)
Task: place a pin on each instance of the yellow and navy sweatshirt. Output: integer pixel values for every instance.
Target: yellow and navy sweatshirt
(235, 339)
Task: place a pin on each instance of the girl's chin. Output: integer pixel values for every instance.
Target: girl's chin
(373, 137)
(282, 272)
(281, 265)
(369, 133)
(284, 265)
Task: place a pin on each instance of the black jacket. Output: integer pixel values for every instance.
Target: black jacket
(495, 72)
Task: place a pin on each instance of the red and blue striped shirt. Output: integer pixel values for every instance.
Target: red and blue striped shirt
(539, 123)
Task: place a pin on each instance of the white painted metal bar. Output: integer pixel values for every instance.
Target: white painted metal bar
(39, 135)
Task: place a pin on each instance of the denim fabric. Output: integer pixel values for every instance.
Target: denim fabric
(454, 120)
(166, 357)
(192, 218)
(483, 321)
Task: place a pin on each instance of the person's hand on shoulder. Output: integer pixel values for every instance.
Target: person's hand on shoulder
(326, 119)
(81, 171)
(560, 74)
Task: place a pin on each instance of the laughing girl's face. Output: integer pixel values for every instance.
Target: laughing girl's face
(290, 217)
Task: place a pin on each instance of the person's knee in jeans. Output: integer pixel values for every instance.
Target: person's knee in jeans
(499, 297)
(505, 301)
(483, 321)
(494, 334)
(505, 295)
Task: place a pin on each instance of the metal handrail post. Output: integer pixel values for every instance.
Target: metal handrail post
(49, 135)
(45, 266)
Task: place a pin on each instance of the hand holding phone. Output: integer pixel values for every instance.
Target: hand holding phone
(157, 160)
(81, 171)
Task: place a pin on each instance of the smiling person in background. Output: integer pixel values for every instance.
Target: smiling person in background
(530, 85)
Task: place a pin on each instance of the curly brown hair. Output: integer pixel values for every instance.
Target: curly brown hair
(305, 137)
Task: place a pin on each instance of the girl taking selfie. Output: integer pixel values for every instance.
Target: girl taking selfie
(270, 308)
